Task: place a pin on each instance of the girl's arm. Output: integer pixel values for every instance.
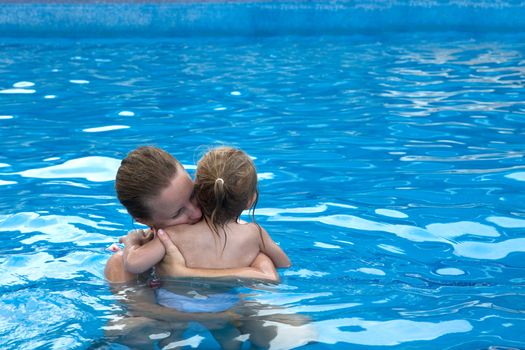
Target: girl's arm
(274, 252)
(262, 267)
(140, 256)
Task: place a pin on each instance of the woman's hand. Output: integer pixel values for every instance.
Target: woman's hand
(265, 265)
(173, 260)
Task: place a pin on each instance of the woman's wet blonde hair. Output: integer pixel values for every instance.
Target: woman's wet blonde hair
(143, 175)
(225, 185)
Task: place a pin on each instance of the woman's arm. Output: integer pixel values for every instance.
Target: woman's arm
(274, 252)
(140, 256)
(262, 267)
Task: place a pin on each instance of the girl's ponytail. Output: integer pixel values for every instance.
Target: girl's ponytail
(219, 191)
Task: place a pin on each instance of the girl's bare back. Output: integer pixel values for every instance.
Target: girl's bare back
(203, 248)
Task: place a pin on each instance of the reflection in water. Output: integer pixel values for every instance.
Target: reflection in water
(263, 324)
(386, 333)
(438, 232)
(490, 251)
(57, 228)
(106, 128)
(254, 319)
(96, 169)
(244, 318)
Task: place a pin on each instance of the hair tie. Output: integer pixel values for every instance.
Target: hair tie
(219, 179)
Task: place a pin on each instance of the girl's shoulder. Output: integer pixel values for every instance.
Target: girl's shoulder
(249, 227)
(246, 234)
(246, 224)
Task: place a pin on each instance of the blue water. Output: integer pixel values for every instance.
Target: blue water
(391, 171)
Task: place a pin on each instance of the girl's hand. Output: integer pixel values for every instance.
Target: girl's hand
(137, 237)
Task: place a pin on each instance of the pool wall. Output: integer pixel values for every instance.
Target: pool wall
(227, 18)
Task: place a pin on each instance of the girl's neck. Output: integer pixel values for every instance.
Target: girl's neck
(228, 222)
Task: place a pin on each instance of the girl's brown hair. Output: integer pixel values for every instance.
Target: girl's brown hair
(142, 175)
(225, 184)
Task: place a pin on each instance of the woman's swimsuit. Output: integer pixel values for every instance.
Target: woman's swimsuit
(195, 302)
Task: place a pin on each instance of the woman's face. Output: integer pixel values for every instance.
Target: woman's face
(175, 205)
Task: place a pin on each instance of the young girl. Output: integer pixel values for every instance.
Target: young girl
(225, 186)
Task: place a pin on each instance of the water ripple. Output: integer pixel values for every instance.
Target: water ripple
(94, 169)
(391, 171)
(386, 333)
(436, 232)
(56, 228)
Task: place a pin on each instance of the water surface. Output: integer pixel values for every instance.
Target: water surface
(391, 171)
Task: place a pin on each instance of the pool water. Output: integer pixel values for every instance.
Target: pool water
(391, 171)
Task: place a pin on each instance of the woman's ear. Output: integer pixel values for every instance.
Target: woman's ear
(143, 221)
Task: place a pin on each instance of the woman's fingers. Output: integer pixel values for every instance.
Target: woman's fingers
(172, 252)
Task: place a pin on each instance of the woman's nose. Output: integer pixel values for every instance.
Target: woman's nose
(194, 211)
